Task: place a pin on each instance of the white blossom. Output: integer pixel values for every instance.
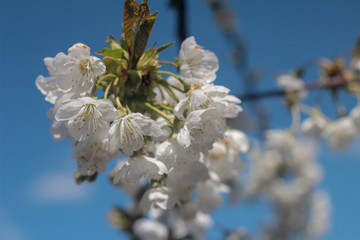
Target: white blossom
(58, 130)
(87, 117)
(209, 193)
(197, 66)
(189, 221)
(150, 230)
(320, 211)
(49, 88)
(210, 96)
(140, 166)
(161, 197)
(355, 116)
(224, 158)
(92, 155)
(130, 188)
(201, 129)
(314, 126)
(128, 132)
(185, 169)
(292, 83)
(340, 133)
(77, 70)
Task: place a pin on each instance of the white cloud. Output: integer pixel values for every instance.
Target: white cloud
(57, 187)
(9, 230)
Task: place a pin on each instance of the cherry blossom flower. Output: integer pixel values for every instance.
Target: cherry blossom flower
(128, 132)
(92, 155)
(197, 66)
(210, 96)
(77, 70)
(87, 117)
(49, 88)
(201, 129)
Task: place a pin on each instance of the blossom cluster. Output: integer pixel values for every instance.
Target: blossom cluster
(286, 172)
(178, 155)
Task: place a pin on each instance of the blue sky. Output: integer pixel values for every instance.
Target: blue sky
(39, 201)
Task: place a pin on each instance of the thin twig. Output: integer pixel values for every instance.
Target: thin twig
(333, 82)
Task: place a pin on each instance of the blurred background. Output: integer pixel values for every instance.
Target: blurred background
(38, 196)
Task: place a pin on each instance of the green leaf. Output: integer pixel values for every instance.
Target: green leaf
(112, 42)
(129, 18)
(117, 53)
(165, 46)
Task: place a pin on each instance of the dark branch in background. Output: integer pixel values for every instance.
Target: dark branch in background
(180, 6)
(331, 83)
(226, 20)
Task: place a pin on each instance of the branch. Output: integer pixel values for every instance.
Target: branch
(332, 82)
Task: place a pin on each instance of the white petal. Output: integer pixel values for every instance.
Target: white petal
(180, 107)
(148, 125)
(79, 50)
(59, 131)
(158, 197)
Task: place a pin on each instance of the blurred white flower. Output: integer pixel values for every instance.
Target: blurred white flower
(92, 155)
(140, 166)
(340, 133)
(209, 193)
(201, 129)
(150, 230)
(320, 211)
(161, 197)
(292, 83)
(355, 116)
(314, 126)
(188, 221)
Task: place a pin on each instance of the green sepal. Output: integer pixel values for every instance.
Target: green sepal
(120, 219)
(112, 42)
(114, 65)
(123, 41)
(116, 53)
(146, 57)
(165, 46)
(79, 178)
